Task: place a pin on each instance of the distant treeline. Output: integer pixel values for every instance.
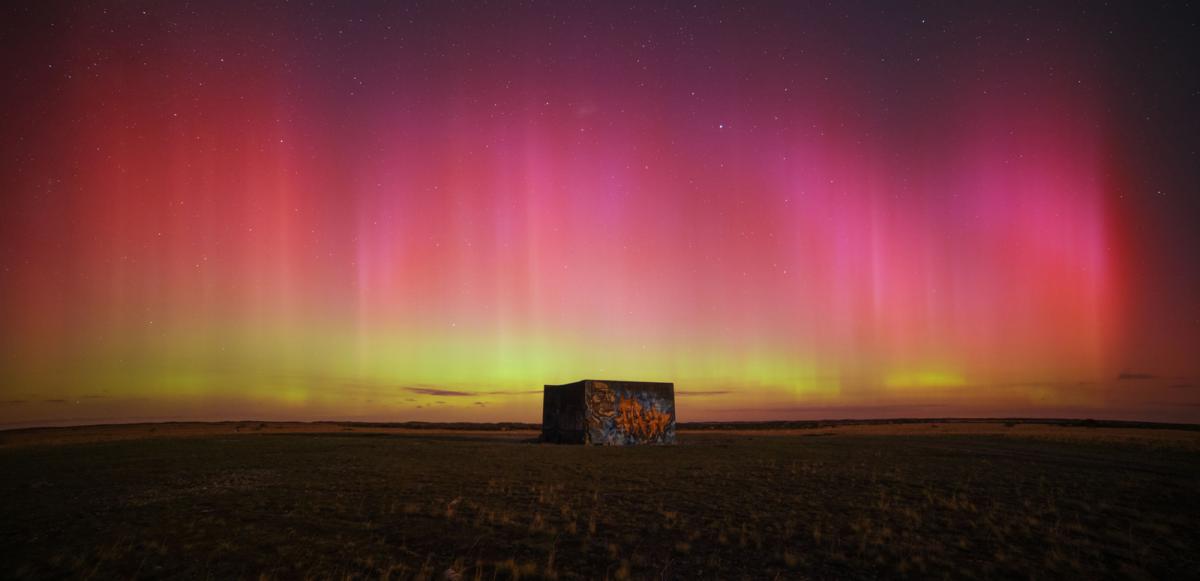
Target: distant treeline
(812, 424)
(797, 424)
(480, 426)
(693, 426)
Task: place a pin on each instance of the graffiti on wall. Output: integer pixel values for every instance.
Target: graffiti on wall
(640, 422)
(617, 415)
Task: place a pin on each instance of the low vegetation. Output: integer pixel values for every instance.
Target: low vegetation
(919, 502)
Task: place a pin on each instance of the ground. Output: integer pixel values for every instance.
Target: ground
(252, 500)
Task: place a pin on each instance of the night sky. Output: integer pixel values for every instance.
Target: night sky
(403, 211)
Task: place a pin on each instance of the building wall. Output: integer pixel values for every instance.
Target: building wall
(629, 412)
(563, 414)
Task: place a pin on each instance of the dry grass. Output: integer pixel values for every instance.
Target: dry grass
(1028, 429)
(122, 432)
(844, 502)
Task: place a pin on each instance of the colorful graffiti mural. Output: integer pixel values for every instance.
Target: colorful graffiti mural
(641, 422)
(609, 413)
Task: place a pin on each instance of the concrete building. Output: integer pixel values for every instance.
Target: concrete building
(609, 412)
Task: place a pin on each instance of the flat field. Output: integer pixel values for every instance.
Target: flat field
(251, 500)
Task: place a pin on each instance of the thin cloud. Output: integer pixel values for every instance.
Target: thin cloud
(378, 390)
(435, 391)
(438, 392)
